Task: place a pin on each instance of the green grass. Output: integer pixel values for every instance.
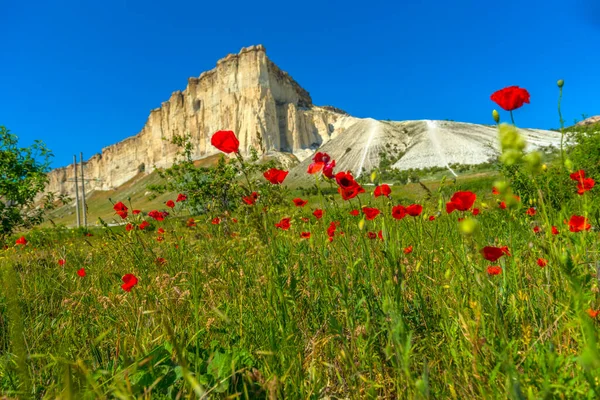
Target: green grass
(245, 310)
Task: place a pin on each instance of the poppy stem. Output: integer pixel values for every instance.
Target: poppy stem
(562, 128)
(512, 118)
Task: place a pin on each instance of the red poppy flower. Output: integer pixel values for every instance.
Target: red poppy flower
(328, 169)
(350, 193)
(318, 213)
(136, 212)
(494, 270)
(371, 235)
(250, 200)
(354, 213)
(81, 272)
(62, 262)
(370, 213)
(160, 231)
(128, 227)
(299, 202)
(585, 185)
(120, 207)
(283, 224)
(345, 179)
(22, 241)
(593, 313)
(408, 250)
(555, 230)
(432, 218)
(380, 234)
(492, 253)
(160, 239)
(502, 205)
(181, 197)
(578, 175)
(398, 212)
(476, 211)
(305, 235)
(88, 234)
(216, 221)
(304, 219)
(414, 210)
(495, 191)
(322, 158)
(461, 201)
(322, 161)
(156, 215)
(160, 261)
(531, 211)
(225, 141)
(536, 229)
(331, 230)
(348, 187)
(144, 225)
(510, 98)
(542, 262)
(122, 214)
(275, 176)
(170, 204)
(191, 222)
(382, 190)
(129, 281)
(314, 168)
(577, 223)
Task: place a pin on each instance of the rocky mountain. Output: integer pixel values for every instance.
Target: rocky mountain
(245, 92)
(589, 121)
(416, 144)
(269, 111)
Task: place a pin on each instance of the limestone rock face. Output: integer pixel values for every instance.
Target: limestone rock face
(246, 93)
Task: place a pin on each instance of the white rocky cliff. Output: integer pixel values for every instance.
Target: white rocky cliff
(245, 92)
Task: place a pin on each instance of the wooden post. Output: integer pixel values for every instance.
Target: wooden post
(76, 191)
(83, 204)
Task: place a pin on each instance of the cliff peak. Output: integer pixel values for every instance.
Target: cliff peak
(245, 92)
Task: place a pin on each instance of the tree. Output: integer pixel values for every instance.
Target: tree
(22, 177)
(217, 189)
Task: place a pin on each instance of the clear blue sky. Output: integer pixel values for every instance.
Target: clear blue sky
(81, 75)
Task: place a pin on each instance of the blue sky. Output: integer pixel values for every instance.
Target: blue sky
(81, 75)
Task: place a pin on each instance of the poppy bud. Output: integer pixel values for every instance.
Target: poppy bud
(544, 167)
(373, 176)
(361, 224)
(560, 83)
(569, 164)
(496, 116)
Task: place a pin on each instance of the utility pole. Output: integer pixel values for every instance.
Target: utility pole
(76, 191)
(84, 206)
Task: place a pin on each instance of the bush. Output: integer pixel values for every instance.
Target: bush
(585, 151)
(22, 177)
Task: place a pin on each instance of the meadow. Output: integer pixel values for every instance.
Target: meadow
(468, 291)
